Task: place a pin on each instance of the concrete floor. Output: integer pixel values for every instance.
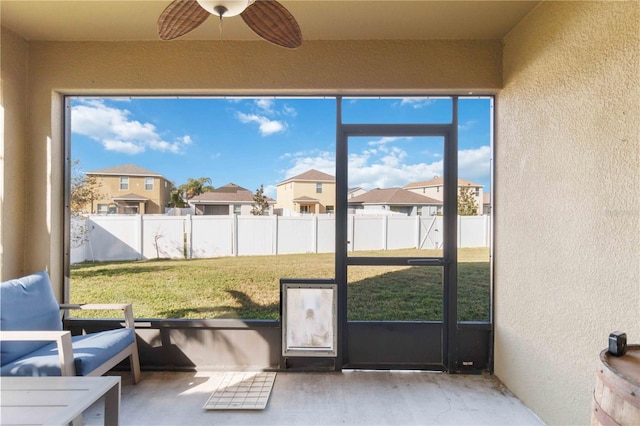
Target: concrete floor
(347, 398)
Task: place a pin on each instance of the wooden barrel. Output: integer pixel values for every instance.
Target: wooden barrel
(616, 398)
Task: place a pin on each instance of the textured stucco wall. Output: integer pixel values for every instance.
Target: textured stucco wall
(567, 201)
(193, 67)
(13, 109)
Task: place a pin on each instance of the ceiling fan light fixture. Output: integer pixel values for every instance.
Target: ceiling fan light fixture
(224, 7)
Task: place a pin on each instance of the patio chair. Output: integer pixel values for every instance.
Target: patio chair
(33, 342)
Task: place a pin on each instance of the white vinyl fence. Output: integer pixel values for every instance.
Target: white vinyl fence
(134, 237)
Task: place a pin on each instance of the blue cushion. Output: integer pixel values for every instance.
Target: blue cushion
(89, 351)
(27, 303)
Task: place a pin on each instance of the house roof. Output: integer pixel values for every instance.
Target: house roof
(125, 170)
(357, 188)
(306, 199)
(438, 181)
(395, 196)
(312, 175)
(130, 197)
(230, 188)
(229, 193)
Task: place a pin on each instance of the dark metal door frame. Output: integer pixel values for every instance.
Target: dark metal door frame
(449, 261)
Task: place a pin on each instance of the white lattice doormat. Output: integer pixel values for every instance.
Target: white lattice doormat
(242, 391)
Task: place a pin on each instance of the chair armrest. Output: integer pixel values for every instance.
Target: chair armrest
(62, 339)
(125, 307)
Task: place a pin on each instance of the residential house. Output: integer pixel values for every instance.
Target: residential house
(395, 200)
(434, 189)
(229, 199)
(130, 189)
(354, 192)
(486, 203)
(310, 192)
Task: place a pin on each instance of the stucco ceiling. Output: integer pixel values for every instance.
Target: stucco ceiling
(319, 20)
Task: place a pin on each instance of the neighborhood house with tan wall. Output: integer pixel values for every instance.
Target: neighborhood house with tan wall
(310, 192)
(130, 189)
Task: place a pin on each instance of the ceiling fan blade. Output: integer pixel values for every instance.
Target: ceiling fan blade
(271, 21)
(180, 17)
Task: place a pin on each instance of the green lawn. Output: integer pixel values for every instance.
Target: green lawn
(248, 287)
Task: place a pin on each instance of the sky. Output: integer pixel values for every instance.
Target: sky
(263, 141)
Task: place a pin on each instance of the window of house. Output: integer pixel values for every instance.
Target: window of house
(237, 209)
(330, 209)
(103, 208)
(124, 183)
(319, 188)
(304, 209)
(148, 184)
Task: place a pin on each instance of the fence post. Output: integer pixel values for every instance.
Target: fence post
(353, 232)
(234, 235)
(187, 230)
(314, 234)
(487, 231)
(275, 234)
(418, 229)
(140, 233)
(385, 231)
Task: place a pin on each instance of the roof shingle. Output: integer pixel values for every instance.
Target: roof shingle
(312, 175)
(125, 170)
(228, 193)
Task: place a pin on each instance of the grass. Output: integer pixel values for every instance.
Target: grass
(247, 287)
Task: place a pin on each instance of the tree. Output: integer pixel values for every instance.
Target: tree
(260, 202)
(175, 199)
(467, 202)
(84, 190)
(194, 187)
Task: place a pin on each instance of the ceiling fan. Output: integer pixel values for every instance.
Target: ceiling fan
(267, 18)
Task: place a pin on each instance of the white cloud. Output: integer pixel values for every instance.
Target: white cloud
(265, 104)
(369, 170)
(382, 141)
(416, 103)
(467, 125)
(122, 146)
(116, 131)
(366, 171)
(323, 161)
(389, 172)
(270, 191)
(474, 164)
(267, 127)
(289, 111)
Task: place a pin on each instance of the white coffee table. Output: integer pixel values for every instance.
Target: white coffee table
(56, 400)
